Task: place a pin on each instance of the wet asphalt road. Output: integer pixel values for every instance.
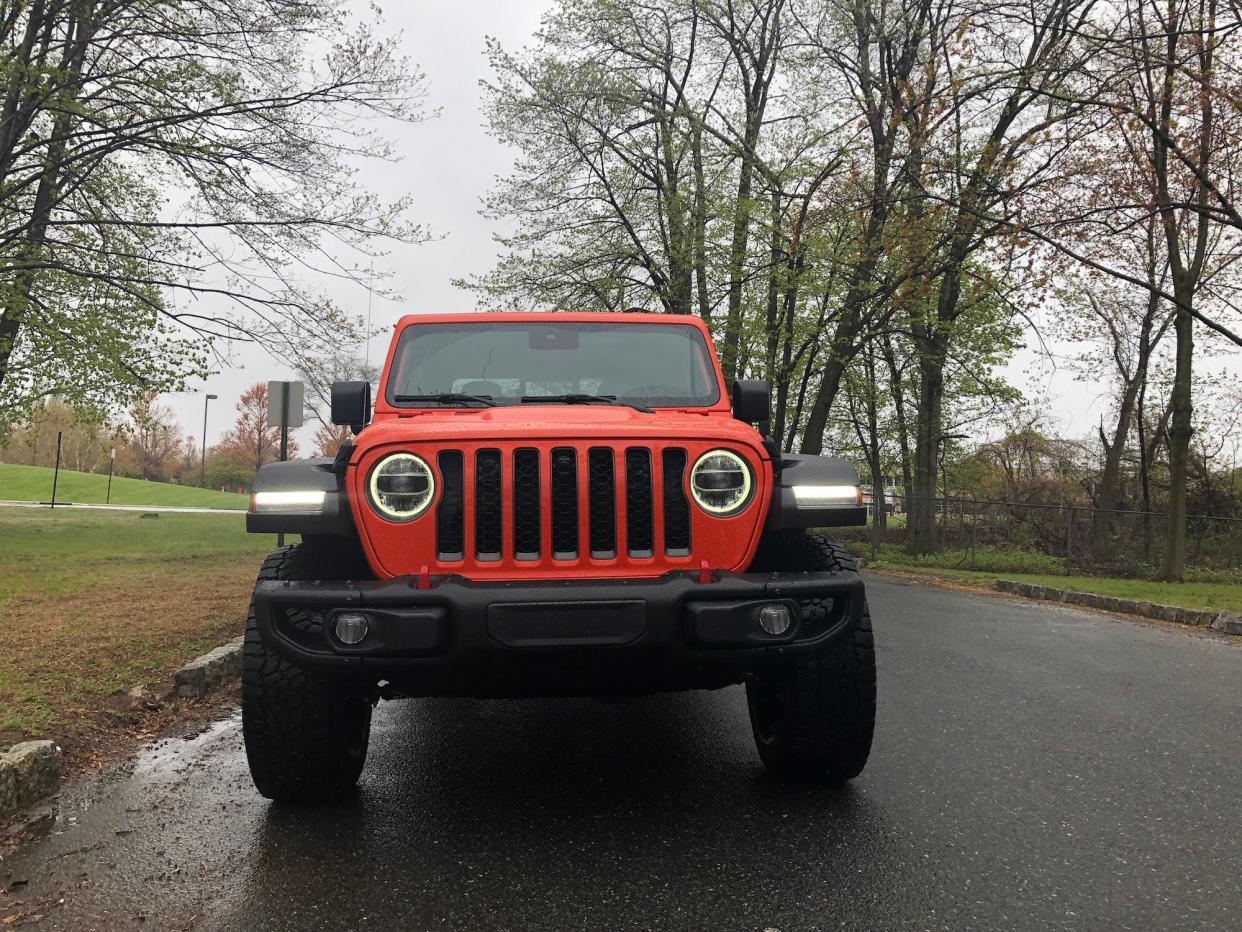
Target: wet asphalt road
(1033, 767)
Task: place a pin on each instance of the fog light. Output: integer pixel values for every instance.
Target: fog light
(775, 618)
(351, 627)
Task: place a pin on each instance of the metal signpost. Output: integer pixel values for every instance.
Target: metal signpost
(56, 473)
(111, 463)
(284, 409)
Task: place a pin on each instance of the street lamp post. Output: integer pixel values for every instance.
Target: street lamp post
(202, 469)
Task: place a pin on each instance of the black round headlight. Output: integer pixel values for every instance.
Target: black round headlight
(401, 487)
(721, 483)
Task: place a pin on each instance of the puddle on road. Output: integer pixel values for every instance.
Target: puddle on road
(167, 754)
(164, 761)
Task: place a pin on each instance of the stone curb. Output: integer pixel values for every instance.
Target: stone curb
(29, 772)
(210, 671)
(1226, 622)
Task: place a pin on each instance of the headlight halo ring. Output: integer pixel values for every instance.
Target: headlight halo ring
(746, 490)
(421, 500)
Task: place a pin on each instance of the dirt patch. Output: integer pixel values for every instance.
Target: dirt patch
(119, 735)
(179, 718)
(92, 668)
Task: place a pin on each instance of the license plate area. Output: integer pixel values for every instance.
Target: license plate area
(567, 624)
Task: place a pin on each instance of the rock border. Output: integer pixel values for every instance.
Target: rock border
(1225, 622)
(211, 671)
(29, 772)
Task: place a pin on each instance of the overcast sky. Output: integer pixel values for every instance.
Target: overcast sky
(447, 165)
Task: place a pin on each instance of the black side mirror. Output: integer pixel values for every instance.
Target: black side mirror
(752, 400)
(351, 404)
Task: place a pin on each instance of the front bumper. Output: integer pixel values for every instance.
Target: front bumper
(459, 637)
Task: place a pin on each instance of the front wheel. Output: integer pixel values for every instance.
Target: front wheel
(306, 738)
(813, 718)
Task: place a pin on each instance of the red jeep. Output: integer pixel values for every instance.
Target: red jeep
(553, 504)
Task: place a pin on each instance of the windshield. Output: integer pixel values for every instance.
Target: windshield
(645, 364)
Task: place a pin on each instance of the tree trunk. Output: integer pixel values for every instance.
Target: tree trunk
(1180, 431)
(875, 462)
(842, 348)
(898, 391)
(737, 266)
(700, 225)
(82, 29)
(679, 241)
(1103, 545)
(931, 340)
(12, 319)
(845, 336)
(1108, 495)
(921, 513)
(773, 330)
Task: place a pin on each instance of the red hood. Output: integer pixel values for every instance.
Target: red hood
(556, 422)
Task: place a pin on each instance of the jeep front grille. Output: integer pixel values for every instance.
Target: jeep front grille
(638, 531)
(564, 504)
(601, 487)
(450, 513)
(487, 505)
(568, 504)
(676, 505)
(526, 505)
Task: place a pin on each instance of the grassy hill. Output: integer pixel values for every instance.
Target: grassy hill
(34, 484)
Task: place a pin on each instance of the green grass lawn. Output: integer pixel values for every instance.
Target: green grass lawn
(1211, 596)
(34, 484)
(93, 603)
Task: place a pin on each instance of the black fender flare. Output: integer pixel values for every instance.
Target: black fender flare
(317, 475)
(806, 469)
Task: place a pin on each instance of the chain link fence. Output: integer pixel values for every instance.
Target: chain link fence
(1114, 542)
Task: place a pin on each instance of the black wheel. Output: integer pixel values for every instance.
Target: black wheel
(813, 718)
(306, 738)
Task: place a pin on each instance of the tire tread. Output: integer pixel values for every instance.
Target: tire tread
(829, 700)
(291, 720)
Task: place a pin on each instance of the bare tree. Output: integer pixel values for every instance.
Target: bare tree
(996, 147)
(253, 439)
(171, 172)
(152, 439)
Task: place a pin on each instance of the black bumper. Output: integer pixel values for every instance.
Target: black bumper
(459, 637)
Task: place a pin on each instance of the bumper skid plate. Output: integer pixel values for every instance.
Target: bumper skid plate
(451, 637)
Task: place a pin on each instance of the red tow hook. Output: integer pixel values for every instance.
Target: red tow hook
(705, 573)
(424, 577)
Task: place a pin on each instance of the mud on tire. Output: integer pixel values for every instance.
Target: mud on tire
(813, 718)
(306, 738)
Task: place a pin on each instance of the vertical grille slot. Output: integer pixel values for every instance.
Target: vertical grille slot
(564, 504)
(676, 508)
(450, 513)
(601, 488)
(487, 519)
(638, 531)
(526, 511)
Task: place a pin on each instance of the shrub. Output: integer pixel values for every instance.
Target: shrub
(988, 558)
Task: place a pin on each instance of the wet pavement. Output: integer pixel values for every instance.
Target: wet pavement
(1034, 767)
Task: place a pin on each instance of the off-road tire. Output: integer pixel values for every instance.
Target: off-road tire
(306, 738)
(813, 718)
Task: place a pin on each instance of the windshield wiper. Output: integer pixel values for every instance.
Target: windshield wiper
(581, 399)
(448, 398)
